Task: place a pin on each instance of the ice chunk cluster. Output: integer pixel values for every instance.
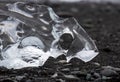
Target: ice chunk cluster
(31, 33)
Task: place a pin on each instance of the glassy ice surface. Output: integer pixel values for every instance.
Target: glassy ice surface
(31, 33)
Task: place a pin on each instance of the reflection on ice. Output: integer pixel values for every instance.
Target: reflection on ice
(14, 8)
(9, 27)
(32, 41)
(32, 33)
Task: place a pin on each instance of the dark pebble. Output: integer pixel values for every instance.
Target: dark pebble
(89, 77)
(107, 50)
(96, 64)
(109, 72)
(61, 57)
(66, 41)
(79, 73)
(3, 69)
(19, 77)
(96, 75)
(105, 78)
(99, 80)
(71, 77)
(65, 70)
(7, 80)
(50, 63)
(60, 80)
(42, 80)
(110, 67)
(29, 80)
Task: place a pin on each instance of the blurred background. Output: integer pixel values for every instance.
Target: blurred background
(63, 1)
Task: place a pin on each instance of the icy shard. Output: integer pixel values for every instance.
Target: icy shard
(31, 33)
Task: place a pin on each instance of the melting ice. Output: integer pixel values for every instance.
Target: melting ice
(30, 34)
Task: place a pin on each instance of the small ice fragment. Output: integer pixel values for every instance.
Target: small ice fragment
(37, 33)
(85, 56)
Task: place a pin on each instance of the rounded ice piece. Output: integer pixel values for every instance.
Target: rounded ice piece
(31, 33)
(32, 41)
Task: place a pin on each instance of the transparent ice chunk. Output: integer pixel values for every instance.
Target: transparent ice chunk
(31, 33)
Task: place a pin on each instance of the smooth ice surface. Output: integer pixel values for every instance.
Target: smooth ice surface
(31, 33)
(32, 41)
(14, 8)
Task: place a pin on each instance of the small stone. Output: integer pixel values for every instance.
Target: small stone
(26, 75)
(62, 61)
(109, 72)
(107, 50)
(65, 70)
(76, 69)
(60, 80)
(23, 80)
(99, 80)
(105, 78)
(96, 75)
(74, 9)
(7, 80)
(96, 64)
(92, 72)
(79, 73)
(19, 77)
(3, 69)
(50, 63)
(43, 73)
(88, 23)
(43, 80)
(89, 76)
(55, 75)
(110, 67)
(116, 69)
(70, 77)
(29, 80)
(67, 65)
(61, 57)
